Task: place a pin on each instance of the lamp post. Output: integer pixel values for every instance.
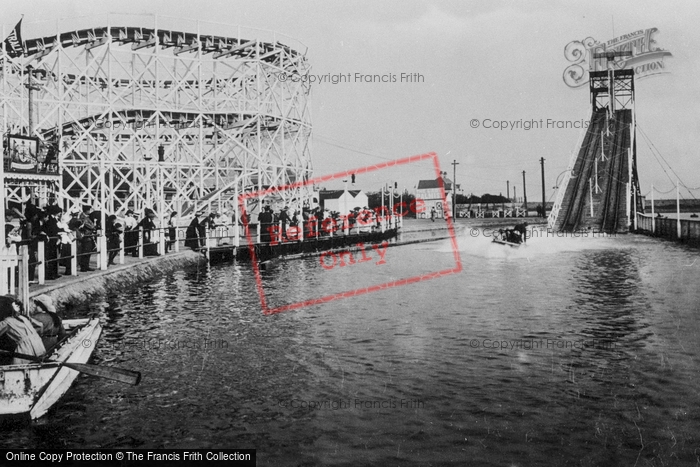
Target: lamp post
(454, 188)
(544, 209)
(524, 194)
(161, 200)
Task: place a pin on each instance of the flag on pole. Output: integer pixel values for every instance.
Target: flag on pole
(13, 43)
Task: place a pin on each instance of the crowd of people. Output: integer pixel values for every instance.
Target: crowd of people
(58, 230)
(315, 221)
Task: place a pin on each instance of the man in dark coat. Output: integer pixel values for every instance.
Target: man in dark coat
(265, 220)
(522, 230)
(285, 220)
(87, 243)
(45, 313)
(150, 248)
(51, 250)
(192, 237)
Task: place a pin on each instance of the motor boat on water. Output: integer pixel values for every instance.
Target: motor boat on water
(508, 237)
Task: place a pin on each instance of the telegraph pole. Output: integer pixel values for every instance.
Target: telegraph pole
(544, 211)
(454, 189)
(524, 194)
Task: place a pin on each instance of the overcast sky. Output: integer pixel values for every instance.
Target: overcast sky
(479, 60)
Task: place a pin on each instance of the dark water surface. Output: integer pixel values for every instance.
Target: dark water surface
(568, 352)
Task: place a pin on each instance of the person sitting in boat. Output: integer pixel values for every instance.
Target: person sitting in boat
(19, 329)
(507, 235)
(45, 313)
(510, 236)
(521, 230)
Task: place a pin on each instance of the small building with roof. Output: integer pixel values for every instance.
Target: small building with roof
(342, 201)
(429, 192)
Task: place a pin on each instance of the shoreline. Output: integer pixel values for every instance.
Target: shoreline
(69, 291)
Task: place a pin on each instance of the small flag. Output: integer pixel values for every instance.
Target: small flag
(13, 43)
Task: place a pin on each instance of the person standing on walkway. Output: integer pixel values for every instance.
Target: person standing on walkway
(265, 220)
(285, 220)
(113, 230)
(192, 238)
(52, 246)
(172, 231)
(87, 242)
(131, 233)
(150, 248)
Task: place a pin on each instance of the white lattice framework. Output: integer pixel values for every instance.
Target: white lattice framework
(210, 97)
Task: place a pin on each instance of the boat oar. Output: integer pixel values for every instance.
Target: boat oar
(116, 374)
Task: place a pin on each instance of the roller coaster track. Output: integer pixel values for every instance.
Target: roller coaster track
(180, 42)
(139, 118)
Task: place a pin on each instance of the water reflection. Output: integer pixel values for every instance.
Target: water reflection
(609, 295)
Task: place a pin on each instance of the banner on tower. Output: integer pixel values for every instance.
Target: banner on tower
(647, 58)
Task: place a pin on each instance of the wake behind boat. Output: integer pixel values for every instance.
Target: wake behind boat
(33, 388)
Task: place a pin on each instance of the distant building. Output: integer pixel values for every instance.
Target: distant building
(342, 201)
(429, 192)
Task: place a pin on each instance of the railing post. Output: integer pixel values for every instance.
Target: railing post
(176, 245)
(206, 242)
(41, 267)
(140, 242)
(236, 238)
(161, 241)
(121, 248)
(74, 257)
(4, 268)
(653, 220)
(23, 267)
(102, 254)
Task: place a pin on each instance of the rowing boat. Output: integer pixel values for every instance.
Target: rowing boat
(32, 388)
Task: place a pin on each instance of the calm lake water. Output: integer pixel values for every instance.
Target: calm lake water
(571, 351)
